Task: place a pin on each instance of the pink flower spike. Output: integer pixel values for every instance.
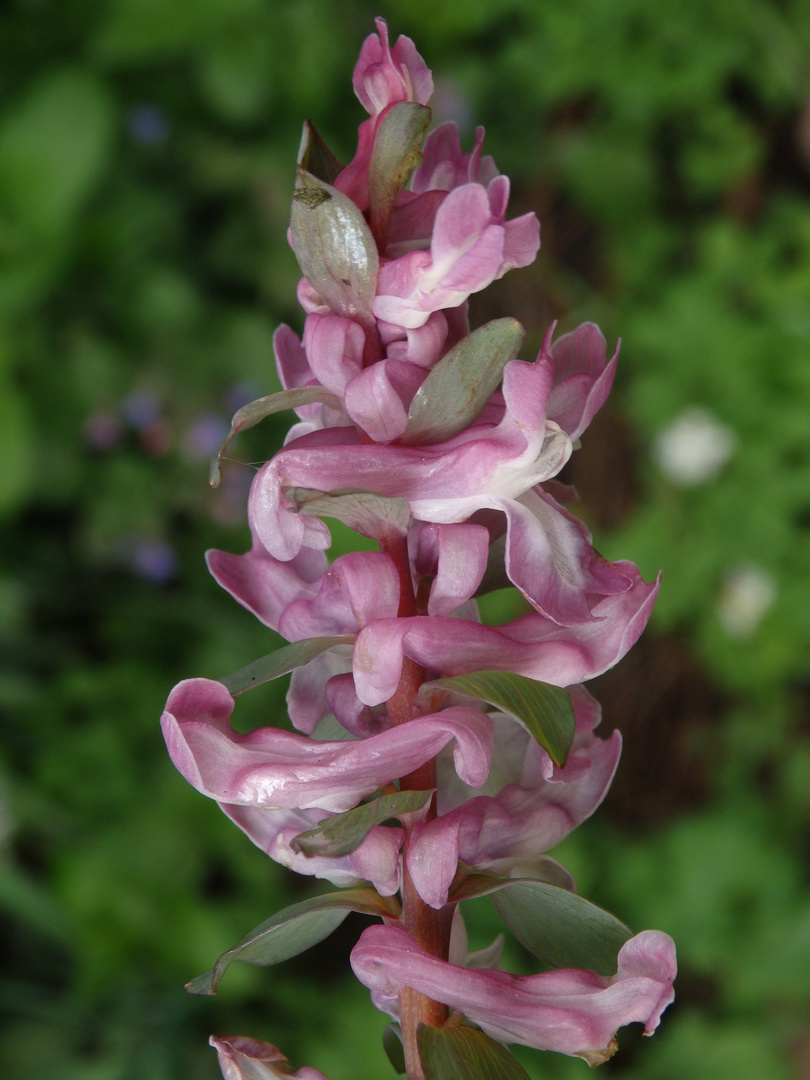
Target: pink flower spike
(241, 1058)
(280, 769)
(570, 1011)
(384, 76)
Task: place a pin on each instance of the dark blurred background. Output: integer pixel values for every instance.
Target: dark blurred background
(147, 152)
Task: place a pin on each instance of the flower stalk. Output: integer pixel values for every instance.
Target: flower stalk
(433, 758)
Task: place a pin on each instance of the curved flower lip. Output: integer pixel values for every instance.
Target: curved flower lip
(280, 769)
(375, 860)
(548, 553)
(241, 1058)
(264, 585)
(535, 810)
(570, 1011)
(502, 460)
(583, 377)
(533, 645)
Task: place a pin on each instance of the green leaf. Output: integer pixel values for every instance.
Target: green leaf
(545, 711)
(457, 1052)
(316, 157)
(280, 663)
(561, 928)
(334, 248)
(462, 382)
(368, 513)
(395, 155)
(293, 931)
(344, 833)
(255, 411)
(394, 1050)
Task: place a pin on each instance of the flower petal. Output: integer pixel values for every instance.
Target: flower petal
(280, 769)
(570, 1011)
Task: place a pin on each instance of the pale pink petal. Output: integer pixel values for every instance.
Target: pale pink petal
(378, 398)
(241, 1058)
(445, 166)
(521, 242)
(375, 860)
(424, 345)
(456, 557)
(535, 809)
(532, 645)
(582, 378)
(385, 76)
(334, 348)
(264, 585)
(307, 700)
(356, 588)
(280, 769)
(569, 1011)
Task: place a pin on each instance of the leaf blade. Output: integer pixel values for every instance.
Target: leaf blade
(344, 833)
(561, 928)
(280, 662)
(377, 516)
(292, 931)
(459, 386)
(545, 711)
(256, 411)
(456, 1051)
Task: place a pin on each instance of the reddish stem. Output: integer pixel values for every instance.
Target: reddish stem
(429, 927)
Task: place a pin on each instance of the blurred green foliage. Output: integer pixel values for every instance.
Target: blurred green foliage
(146, 157)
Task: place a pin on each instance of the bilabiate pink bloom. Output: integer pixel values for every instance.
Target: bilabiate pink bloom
(284, 770)
(533, 645)
(384, 76)
(571, 1011)
(470, 247)
(582, 377)
(241, 1058)
(376, 859)
(527, 806)
(445, 166)
(446, 482)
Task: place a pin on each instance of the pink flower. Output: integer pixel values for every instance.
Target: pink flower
(570, 1011)
(383, 76)
(582, 377)
(527, 806)
(274, 769)
(470, 247)
(376, 860)
(241, 1058)
(446, 482)
(533, 645)
(445, 166)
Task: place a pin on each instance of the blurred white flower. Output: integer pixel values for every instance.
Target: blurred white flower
(746, 595)
(694, 447)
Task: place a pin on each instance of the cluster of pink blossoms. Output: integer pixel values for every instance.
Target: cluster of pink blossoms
(441, 445)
